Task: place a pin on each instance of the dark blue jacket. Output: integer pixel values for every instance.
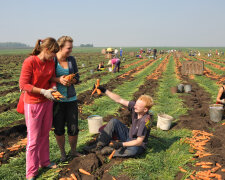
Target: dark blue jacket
(72, 64)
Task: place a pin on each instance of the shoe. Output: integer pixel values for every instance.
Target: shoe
(52, 165)
(93, 148)
(63, 158)
(107, 150)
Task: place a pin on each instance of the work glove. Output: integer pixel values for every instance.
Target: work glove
(101, 88)
(222, 101)
(47, 94)
(116, 145)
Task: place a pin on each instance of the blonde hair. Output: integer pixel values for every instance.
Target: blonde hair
(63, 39)
(148, 101)
(49, 43)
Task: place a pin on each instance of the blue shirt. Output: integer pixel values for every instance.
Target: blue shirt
(60, 71)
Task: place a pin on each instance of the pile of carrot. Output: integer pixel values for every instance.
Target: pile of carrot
(18, 145)
(197, 143)
(96, 88)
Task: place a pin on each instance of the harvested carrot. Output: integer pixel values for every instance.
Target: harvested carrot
(98, 82)
(215, 169)
(182, 170)
(218, 165)
(205, 166)
(113, 178)
(192, 177)
(62, 179)
(73, 176)
(94, 91)
(84, 172)
(99, 91)
(223, 170)
(111, 155)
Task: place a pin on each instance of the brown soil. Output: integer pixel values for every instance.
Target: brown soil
(9, 136)
(198, 102)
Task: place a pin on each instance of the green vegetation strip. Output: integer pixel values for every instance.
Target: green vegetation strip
(165, 153)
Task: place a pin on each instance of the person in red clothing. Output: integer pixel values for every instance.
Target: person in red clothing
(37, 70)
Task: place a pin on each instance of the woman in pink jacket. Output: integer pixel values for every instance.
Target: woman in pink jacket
(37, 70)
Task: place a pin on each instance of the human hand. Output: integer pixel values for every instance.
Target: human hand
(48, 94)
(116, 145)
(64, 81)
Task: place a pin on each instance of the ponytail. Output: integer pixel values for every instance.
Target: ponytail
(49, 43)
(37, 48)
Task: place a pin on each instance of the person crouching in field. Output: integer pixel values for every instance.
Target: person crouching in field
(65, 111)
(221, 95)
(37, 70)
(132, 141)
(115, 62)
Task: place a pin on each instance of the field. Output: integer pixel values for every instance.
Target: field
(179, 153)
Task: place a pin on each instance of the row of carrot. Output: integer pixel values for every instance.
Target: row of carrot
(197, 143)
(160, 69)
(19, 145)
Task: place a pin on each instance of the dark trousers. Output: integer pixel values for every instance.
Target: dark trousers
(116, 127)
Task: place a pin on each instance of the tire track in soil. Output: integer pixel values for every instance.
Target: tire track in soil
(198, 101)
(96, 162)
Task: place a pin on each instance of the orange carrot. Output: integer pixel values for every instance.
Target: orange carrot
(98, 82)
(182, 170)
(94, 91)
(84, 172)
(192, 177)
(205, 166)
(111, 155)
(223, 170)
(99, 91)
(73, 176)
(218, 165)
(113, 178)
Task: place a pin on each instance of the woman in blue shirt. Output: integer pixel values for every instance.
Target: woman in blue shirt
(65, 112)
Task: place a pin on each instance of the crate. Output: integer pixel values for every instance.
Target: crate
(192, 67)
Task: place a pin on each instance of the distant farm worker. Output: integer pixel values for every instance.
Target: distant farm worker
(65, 112)
(37, 70)
(221, 95)
(154, 53)
(116, 63)
(133, 140)
(101, 66)
(116, 52)
(121, 52)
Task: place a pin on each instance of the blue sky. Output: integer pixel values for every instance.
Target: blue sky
(115, 23)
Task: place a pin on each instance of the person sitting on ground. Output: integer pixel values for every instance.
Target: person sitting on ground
(132, 141)
(221, 95)
(100, 66)
(116, 63)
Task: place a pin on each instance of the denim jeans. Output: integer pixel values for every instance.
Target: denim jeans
(116, 127)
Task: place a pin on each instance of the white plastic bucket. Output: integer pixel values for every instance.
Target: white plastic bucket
(164, 121)
(94, 123)
(216, 112)
(83, 65)
(110, 69)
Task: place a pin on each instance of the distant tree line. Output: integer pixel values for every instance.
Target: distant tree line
(13, 45)
(86, 45)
